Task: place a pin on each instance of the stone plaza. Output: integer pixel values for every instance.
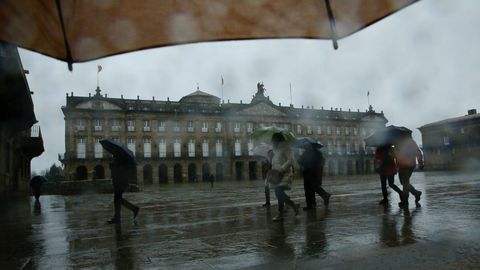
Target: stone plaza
(195, 226)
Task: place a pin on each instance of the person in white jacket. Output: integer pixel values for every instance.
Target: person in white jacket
(281, 174)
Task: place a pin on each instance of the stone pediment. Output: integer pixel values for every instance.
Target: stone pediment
(261, 109)
(98, 105)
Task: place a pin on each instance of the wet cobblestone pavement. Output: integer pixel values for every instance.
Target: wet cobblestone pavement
(194, 226)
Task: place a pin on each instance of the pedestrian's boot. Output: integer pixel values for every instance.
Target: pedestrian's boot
(403, 205)
(383, 202)
(278, 218)
(417, 199)
(135, 212)
(114, 221)
(326, 200)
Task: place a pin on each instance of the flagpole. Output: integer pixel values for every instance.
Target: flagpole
(368, 98)
(222, 87)
(291, 94)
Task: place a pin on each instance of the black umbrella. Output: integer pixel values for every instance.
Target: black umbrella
(119, 151)
(37, 181)
(306, 142)
(387, 135)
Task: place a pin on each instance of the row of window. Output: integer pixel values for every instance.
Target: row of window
(332, 147)
(237, 127)
(162, 148)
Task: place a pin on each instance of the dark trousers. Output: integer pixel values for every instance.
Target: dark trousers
(311, 187)
(391, 183)
(36, 193)
(267, 194)
(118, 201)
(283, 199)
(404, 175)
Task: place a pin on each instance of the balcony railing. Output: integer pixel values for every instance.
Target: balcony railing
(98, 128)
(218, 129)
(131, 128)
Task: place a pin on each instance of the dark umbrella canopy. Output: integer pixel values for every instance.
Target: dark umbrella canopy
(37, 181)
(119, 151)
(306, 142)
(387, 135)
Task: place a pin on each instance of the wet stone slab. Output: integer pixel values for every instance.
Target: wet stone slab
(194, 226)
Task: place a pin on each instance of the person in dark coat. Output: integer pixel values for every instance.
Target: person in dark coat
(122, 171)
(312, 162)
(385, 166)
(36, 185)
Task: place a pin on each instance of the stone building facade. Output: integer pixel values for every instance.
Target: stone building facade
(20, 139)
(453, 143)
(199, 136)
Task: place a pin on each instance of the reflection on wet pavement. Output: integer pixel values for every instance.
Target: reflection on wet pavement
(192, 226)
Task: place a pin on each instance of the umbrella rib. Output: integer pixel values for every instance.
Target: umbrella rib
(65, 40)
(331, 20)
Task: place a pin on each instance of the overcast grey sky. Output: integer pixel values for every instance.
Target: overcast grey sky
(420, 65)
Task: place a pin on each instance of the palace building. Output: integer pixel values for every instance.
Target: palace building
(199, 136)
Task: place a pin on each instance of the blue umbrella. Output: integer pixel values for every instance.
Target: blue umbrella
(119, 151)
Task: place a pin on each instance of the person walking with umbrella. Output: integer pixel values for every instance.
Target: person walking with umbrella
(385, 166)
(123, 168)
(36, 185)
(312, 162)
(281, 174)
(407, 154)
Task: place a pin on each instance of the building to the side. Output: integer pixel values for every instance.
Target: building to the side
(199, 136)
(453, 143)
(20, 139)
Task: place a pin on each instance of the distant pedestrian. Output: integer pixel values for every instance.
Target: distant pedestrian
(122, 171)
(36, 185)
(266, 167)
(385, 166)
(312, 163)
(407, 154)
(281, 174)
(212, 179)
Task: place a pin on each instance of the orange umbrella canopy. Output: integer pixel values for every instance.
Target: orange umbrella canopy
(77, 31)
